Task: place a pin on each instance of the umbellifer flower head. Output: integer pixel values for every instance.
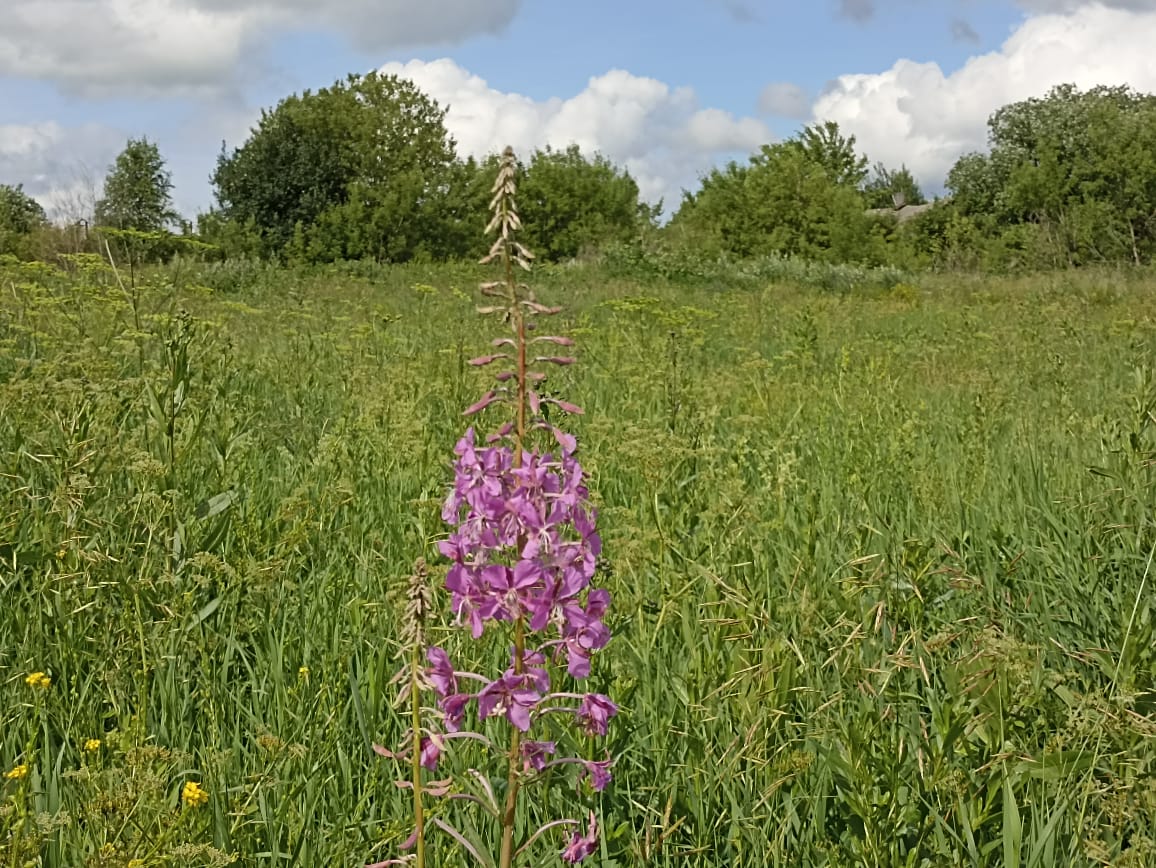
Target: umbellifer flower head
(18, 773)
(192, 794)
(38, 680)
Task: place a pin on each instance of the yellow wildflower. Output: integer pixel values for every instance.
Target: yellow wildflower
(92, 745)
(193, 795)
(21, 771)
(303, 673)
(38, 679)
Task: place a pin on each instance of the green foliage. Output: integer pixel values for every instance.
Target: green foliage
(361, 169)
(20, 217)
(659, 260)
(798, 198)
(137, 191)
(231, 239)
(20, 214)
(1070, 179)
(975, 184)
(570, 204)
(825, 145)
(870, 605)
(889, 188)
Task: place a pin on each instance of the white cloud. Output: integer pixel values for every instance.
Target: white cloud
(59, 166)
(104, 47)
(1073, 5)
(915, 114)
(196, 47)
(785, 100)
(659, 133)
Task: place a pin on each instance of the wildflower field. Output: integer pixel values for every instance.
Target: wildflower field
(878, 559)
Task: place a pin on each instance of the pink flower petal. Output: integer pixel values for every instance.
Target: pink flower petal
(566, 406)
(487, 400)
(482, 361)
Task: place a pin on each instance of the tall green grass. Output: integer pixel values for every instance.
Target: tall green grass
(881, 562)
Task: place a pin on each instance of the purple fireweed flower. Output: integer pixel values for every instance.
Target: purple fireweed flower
(441, 674)
(533, 663)
(598, 772)
(597, 603)
(524, 544)
(534, 754)
(471, 601)
(515, 589)
(582, 633)
(581, 846)
(454, 710)
(594, 713)
(510, 696)
(477, 475)
(431, 751)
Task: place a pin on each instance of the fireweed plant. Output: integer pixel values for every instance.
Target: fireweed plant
(523, 549)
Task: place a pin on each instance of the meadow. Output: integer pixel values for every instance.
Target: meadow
(879, 556)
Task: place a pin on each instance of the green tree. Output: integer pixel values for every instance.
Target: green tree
(1069, 179)
(889, 188)
(20, 217)
(784, 201)
(364, 168)
(137, 191)
(20, 214)
(975, 185)
(570, 203)
(825, 145)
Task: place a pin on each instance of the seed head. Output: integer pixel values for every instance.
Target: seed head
(419, 605)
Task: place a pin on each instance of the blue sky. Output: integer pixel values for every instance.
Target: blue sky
(667, 89)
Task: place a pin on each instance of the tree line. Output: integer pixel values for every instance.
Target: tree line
(365, 169)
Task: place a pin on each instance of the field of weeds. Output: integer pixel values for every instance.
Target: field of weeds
(880, 563)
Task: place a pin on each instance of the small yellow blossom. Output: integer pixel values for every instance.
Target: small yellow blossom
(60, 554)
(303, 673)
(38, 679)
(192, 794)
(18, 773)
(92, 745)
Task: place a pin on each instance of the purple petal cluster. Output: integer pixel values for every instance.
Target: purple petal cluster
(581, 846)
(523, 549)
(524, 546)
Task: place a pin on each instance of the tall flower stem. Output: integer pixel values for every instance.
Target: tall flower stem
(415, 710)
(419, 604)
(513, 782)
